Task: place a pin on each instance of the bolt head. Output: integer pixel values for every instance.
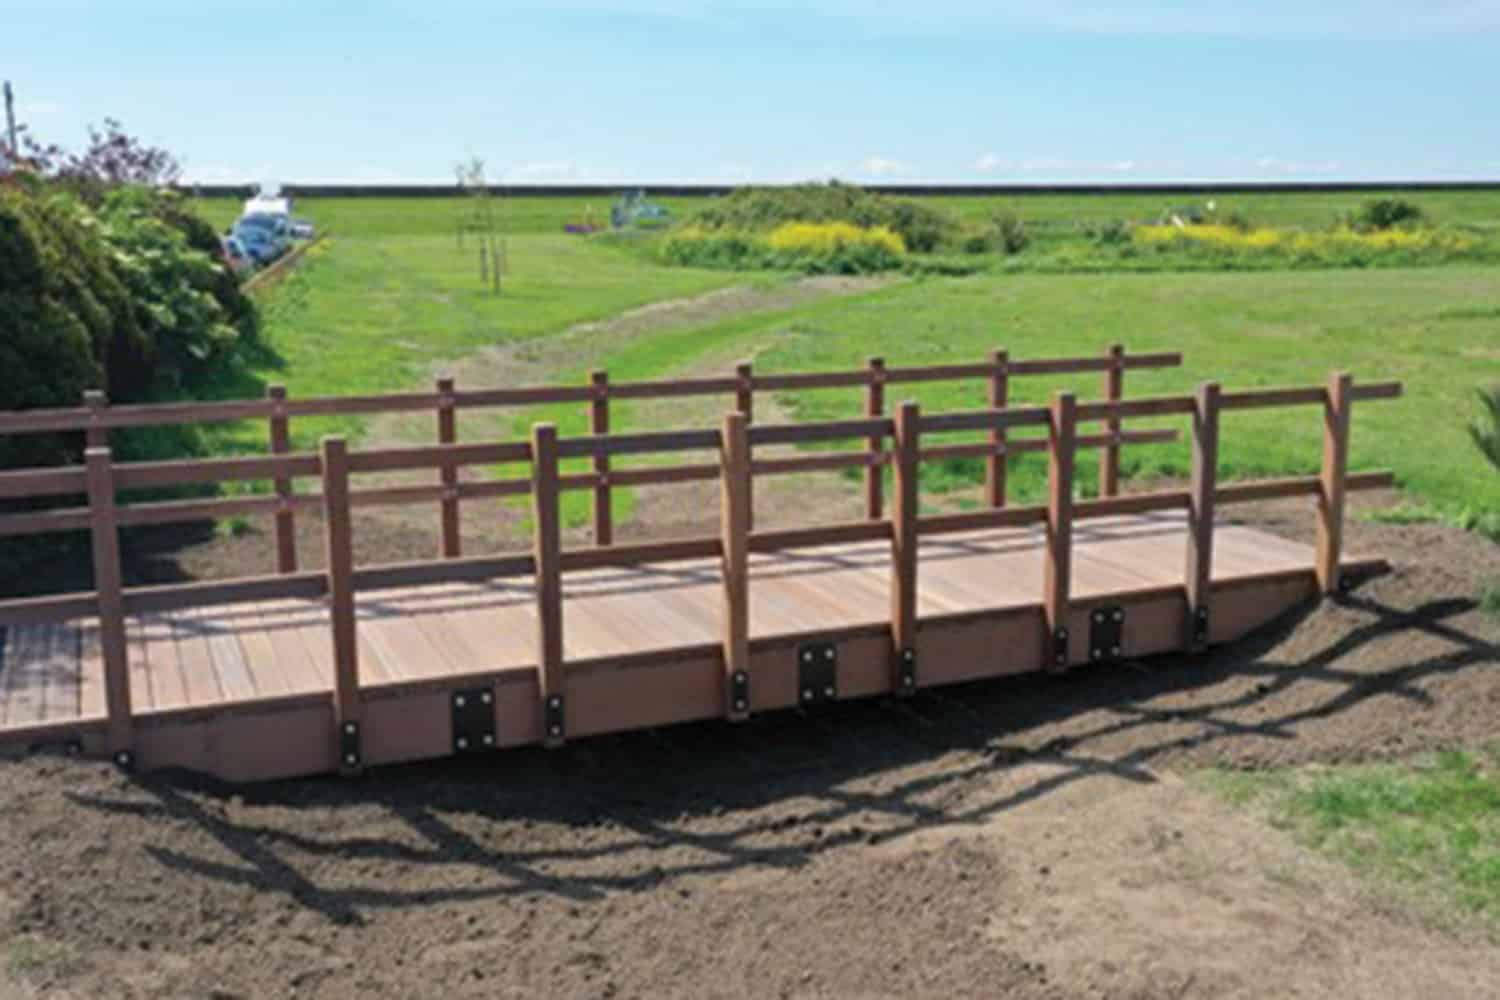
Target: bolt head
(807, 656)
(1119, 616)
(463, 743)
(554, 702)
(351, 759)
(739, 704)
(1099, 617)
(828, 691)
(458, 701)
(828, 654)
(807, 694)
(908, 680)
(350, 728)
(556, 730)
(1114, 650)
(486, 698)
(488, 740)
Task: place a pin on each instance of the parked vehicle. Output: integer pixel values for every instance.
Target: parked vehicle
(260, 243)
(302, 229)
(236, 257)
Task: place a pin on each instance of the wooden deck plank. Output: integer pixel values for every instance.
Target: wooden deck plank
(160, 663)
(91, 671)
(211, 656)
(62, 694)
(195, 658)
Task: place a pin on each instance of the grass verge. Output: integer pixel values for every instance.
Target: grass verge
(1428, 829)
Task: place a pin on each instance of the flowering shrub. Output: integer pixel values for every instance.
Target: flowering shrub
(1340, 245)
(814, 247)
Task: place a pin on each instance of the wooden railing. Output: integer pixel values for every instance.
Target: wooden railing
(96, 418)
(899, 440)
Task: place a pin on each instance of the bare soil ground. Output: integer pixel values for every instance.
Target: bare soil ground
(1028, 838)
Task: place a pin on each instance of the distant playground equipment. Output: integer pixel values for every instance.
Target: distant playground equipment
(633, 209)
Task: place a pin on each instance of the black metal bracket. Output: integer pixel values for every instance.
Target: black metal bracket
(739, 692)
(906, 672)
(817, 673)
(554, 719)
(1106, 633)
(349, 755)
(1059, 660)
(1200, 626)
(473, 720)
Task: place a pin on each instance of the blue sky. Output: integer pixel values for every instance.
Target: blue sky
(939, 90)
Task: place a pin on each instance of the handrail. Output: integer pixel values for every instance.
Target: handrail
(343, 580)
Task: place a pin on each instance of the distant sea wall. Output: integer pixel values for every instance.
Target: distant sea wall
(951, 190)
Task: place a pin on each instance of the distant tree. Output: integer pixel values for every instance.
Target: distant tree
(1485, 430)
(481, 219)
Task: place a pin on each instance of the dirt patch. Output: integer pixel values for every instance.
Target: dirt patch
(1022, 838)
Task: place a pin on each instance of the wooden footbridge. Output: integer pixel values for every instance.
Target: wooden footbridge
(350, 665)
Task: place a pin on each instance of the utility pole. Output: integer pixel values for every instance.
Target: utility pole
(10, 122)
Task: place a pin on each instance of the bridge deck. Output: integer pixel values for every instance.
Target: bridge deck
(207, 657)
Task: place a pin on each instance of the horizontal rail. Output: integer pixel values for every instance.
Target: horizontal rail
(42, 482)
(165, 414)
(1133, 503)
(831, 430)
(1150, 406)
(979, 520)
(817, 463)
(1299, 486)
(983, 420)
(182, 472)
(637, 555)
(831, 534)
(388, 576)
(594, 445)
(211, 593)
(430, 457)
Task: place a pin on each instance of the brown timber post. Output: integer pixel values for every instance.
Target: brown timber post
(904, 499)
(1109, 455)
(547, 551)
(735, 526)
(97, 435)
(604, 525)
(874, 473)
(744, 402)
(1336, 413)
(280, 442)
(447, 429)
(999, 399)
(119, 737)
(1062, 440)
(1200, 535)
(339, 537)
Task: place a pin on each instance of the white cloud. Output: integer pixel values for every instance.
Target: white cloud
(990, 162)
(880, 166)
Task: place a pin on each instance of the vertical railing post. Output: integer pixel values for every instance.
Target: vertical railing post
(1200, 534)
(874, 473)
(447, 432)
(1336, 413)
(547, 552)
(604, 525)
(280, 442)
(1109, 455)
(96, 435)
(338, 533)
(744, 402)
(108, 587)
(999, 399)
(905, 453)
(734, 513)
(1061, 442)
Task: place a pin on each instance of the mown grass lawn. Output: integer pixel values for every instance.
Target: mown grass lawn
(393, 295)
(1430, 828)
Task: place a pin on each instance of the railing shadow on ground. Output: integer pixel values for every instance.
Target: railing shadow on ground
(643, 793)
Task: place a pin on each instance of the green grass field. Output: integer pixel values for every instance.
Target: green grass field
(391, 295)
(1430, 829)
